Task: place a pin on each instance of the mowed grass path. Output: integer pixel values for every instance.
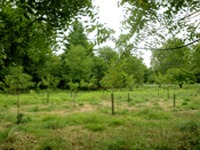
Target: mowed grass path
(148, 121)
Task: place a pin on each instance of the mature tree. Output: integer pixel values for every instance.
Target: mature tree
(76, 37)
(195, 63)
(78, 65)
(99, 68)
(102, 62)
(133, 65)
(179, 77)
(29, 28)
(107, 54)
(162, 60)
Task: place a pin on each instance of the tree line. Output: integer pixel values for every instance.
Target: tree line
(29, 33)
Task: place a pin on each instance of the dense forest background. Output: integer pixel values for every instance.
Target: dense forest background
(31, 32)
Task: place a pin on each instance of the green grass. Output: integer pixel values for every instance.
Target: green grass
(148, 121)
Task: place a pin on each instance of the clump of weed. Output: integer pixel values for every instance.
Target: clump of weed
(49, 108)
(54, 122)
(152, 114)
(192, 126)
(184, 103)
(9, 135)
(95, 127)
(93, 102)
(174, 110)
(191, 106)
(157, 108)
(65, 106)
(105, 109)
(7, 116)
(118, 144)
(34, 109)
(26, 119)
(81, 104)
(156, 103)
(54, 142)
(115, 122)
(122, 112)
(187, 100)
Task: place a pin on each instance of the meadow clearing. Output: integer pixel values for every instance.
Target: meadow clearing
(148, 121)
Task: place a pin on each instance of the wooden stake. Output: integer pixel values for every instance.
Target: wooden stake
(174, 100)
(112, 98)
(128, 98)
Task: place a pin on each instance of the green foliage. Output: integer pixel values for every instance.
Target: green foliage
(83, 84)
(73, 86)
(147, 19)
(49, 82)
(92, 83)
(179, 77)
(76, 37)
(103, 83)
(115, 75)
(16, 80)
(78, 64)
(130, 81)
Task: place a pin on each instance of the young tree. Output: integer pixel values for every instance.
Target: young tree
(83, 84)
(16, 82)
(73, 88)
(92, 83)
(130, 81)
(49, 82)
(103, 84)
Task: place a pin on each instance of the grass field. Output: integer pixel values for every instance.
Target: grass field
(148, 121)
